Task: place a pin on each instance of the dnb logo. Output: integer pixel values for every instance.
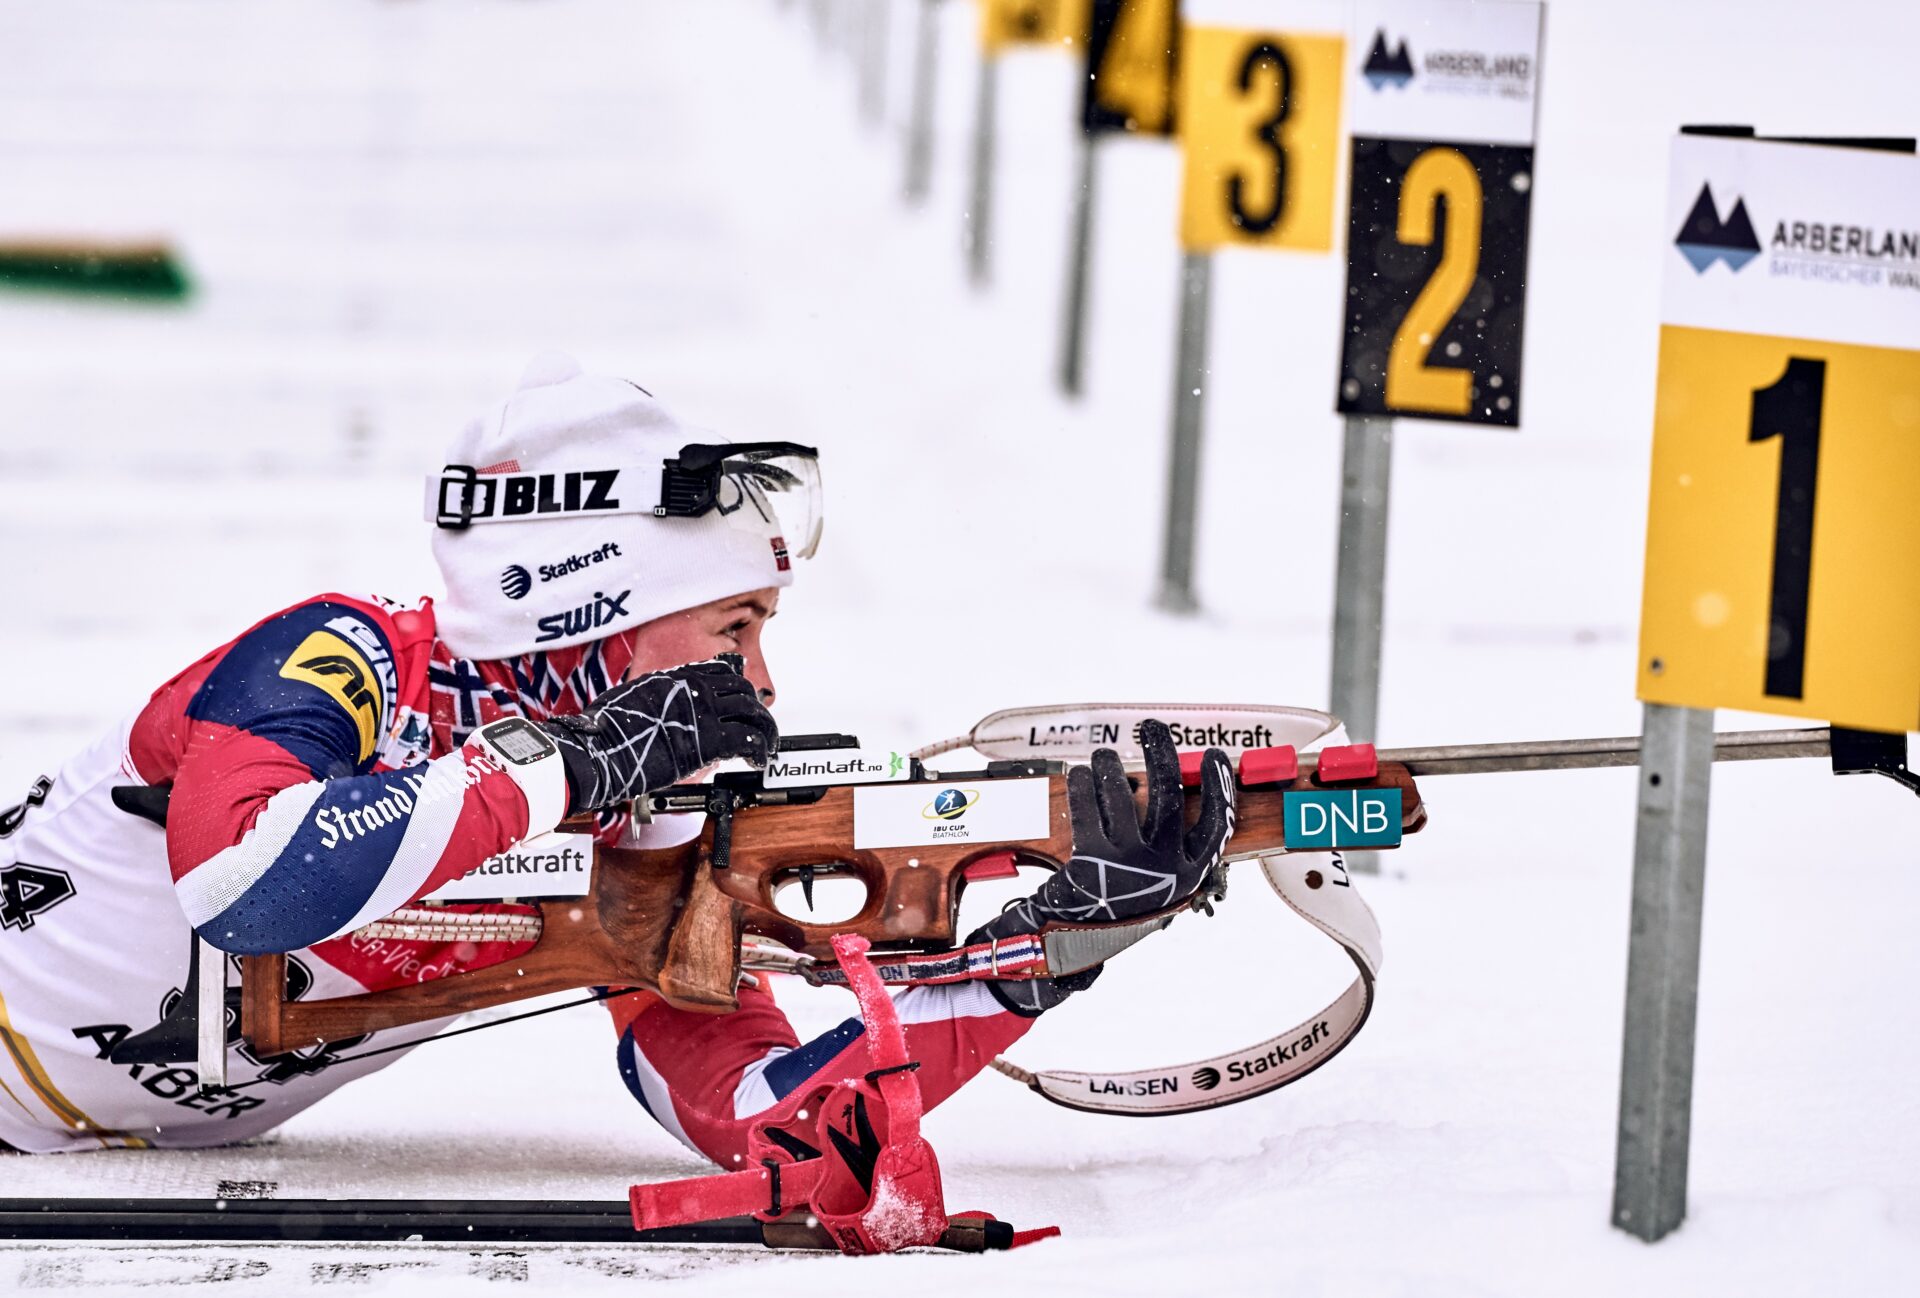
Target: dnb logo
(1205, 1078)
(951, 804)
(1705, 238)
(515, 581)
(1384, 68)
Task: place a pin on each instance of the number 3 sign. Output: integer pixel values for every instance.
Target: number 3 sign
(1260, 132)
(1442, 188)
(1783, 529)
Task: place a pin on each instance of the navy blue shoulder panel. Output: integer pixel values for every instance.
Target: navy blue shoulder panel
(319, 680)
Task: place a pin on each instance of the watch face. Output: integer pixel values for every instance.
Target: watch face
(519, 742)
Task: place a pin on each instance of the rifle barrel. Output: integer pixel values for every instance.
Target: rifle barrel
(1583, 754)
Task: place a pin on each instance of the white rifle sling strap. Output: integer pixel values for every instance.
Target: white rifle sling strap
(1070, 732)
(1317, 888)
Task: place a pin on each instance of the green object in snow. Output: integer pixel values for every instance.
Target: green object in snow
(145, 271)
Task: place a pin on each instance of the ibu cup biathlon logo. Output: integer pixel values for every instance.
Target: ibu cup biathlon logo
(951, 804)
(1705, 238)
(1385, 67)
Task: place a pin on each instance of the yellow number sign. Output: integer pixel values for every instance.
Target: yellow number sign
(1783, 534)
(1260, 132)
(1031, 22)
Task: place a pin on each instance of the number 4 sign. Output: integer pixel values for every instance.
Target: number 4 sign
(1782, 528)
(1443, 117)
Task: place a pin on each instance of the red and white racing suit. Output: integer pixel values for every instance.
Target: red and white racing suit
(322, 775)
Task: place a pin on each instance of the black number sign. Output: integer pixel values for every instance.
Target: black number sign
(1436, 280)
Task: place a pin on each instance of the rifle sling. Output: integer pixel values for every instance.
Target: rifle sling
(1318, 890)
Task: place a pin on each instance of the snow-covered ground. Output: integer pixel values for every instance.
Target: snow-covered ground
(389, 206)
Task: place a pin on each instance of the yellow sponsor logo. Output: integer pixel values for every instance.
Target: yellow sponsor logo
(328, 662)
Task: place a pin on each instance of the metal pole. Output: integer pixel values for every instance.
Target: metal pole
(926, 65)
(874, 40)
(980, 189)
(1183, 472)
(210, 1011)
(1359, 587)
(1663, 971)
(1590, 754)
(1073, 340)
(1359, 592)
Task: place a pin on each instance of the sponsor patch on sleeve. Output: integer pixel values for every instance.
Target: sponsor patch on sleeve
(341, 669)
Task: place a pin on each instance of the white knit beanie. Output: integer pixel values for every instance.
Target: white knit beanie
(589, 559)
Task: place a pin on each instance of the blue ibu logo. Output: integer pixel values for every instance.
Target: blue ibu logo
(1705, 238)
(1385, 68)
(515, 581)
(950, 804)
(1334, 818)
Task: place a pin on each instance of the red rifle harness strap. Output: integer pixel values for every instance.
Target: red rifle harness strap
(868, 1177)
(1315, 886)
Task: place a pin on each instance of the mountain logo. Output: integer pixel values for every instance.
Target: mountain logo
(1387, 69)
(1205, 1078)
(951, 804)
(515, 581)
(1705, 238)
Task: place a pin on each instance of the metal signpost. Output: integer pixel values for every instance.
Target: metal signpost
(1781, 532)
(1005, 23)
(926, 78)
(1131, 53)
(1441, 203)
(875, 38)
(1259, 114)
(979, 223)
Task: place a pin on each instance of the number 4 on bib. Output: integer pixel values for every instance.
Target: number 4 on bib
(27, 891)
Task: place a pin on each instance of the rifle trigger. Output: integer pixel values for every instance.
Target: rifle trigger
(806, 884)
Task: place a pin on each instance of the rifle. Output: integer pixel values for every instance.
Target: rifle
(688, 921)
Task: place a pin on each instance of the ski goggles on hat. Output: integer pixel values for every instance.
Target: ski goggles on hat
(764, 484)
(767, 486)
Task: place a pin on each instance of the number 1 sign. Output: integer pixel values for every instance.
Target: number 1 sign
(1443, 118)
(1783, 529)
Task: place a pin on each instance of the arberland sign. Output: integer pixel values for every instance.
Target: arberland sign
(1793, 240)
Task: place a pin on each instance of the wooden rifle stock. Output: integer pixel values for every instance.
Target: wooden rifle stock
(672, 920)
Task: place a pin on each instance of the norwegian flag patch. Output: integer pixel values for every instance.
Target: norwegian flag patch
(780, 554)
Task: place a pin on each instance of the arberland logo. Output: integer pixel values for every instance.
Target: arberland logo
(515, 581)
(951, 804)
(1206, 1078)
(1384, 69)
(1705, 238)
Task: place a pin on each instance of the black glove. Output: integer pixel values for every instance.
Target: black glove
(1121, 869)
(646, 734)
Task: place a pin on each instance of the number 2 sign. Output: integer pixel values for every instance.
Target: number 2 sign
(1782, 528)
(1442, 184)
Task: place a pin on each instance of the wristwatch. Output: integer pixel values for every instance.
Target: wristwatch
(517, 741)
(533, 761)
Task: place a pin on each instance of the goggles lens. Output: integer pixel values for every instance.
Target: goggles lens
(759, 484)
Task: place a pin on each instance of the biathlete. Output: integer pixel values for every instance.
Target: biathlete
(608, 577)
